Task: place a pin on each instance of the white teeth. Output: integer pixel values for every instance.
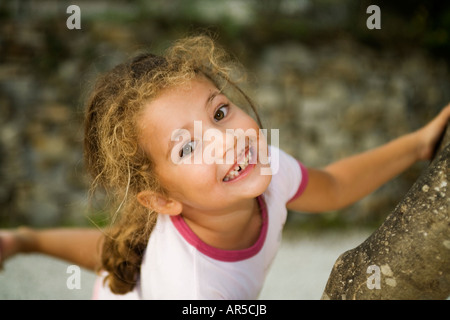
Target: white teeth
(239, 168)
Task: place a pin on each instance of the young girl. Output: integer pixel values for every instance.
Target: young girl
(191, 224)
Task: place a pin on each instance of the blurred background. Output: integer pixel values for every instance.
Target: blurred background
(331, 86)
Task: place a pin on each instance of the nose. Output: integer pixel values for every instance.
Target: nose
(235, 144)
(224, 145)
(230, 145)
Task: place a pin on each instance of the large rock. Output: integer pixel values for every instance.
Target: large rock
(408, 256)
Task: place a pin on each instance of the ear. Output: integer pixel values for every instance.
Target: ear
(159, 203)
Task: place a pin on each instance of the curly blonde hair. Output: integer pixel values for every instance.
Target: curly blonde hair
(113, 155)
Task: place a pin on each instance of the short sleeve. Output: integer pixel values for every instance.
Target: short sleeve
(290, 176)
(303, 182)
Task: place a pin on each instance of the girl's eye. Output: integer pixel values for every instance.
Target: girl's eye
(221, 112)
(187, 149)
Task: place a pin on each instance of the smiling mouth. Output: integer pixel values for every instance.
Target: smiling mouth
(238, 169)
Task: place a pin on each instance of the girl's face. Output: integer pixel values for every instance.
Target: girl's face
(207, 151)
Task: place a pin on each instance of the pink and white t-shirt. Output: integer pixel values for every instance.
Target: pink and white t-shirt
(178, 265)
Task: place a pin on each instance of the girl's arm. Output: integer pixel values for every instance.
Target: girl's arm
(80, 246)
(346, 181)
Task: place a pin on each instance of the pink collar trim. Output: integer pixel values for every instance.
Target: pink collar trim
(220, 254)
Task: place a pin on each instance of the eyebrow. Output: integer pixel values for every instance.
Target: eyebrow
(178, 132)
(211, 98)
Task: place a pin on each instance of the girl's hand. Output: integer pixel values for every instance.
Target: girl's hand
(14, 241)
(429, 135)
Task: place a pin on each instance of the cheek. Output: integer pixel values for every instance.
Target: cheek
(245, 121)
(242, 121)
(185, 179)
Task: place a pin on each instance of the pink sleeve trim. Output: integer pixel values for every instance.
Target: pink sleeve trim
(97, 288)
(303, 182)
(220, 254)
